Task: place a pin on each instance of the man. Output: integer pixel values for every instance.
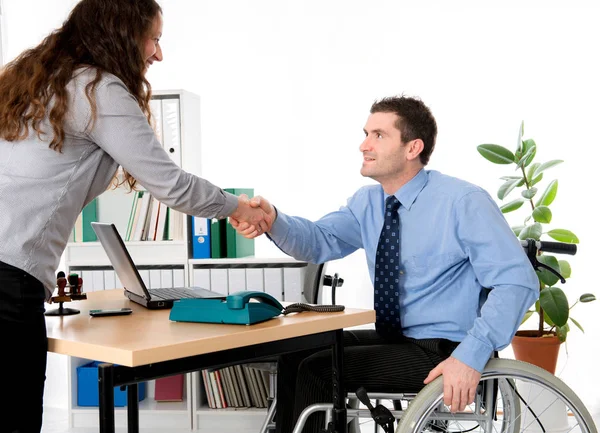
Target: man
(433, 244)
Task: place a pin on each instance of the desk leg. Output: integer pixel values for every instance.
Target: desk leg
(107, 398)
(133, 415)
(339, 397)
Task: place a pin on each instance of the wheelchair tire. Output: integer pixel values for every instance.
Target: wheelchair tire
(421, 415)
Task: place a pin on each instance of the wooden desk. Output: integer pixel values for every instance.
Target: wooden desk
(149, 346)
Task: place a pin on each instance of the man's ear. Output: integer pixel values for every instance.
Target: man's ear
(414, 149)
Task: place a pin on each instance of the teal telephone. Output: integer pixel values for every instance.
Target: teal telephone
(242, 308)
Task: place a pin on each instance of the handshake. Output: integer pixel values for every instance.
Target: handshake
(252, 217)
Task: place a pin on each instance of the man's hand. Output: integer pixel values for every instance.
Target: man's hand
(247, 229)
(460, 383)
(251, 216)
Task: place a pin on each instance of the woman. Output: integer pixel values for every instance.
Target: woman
(72, 110)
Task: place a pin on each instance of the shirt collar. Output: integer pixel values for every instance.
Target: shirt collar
(409, 192)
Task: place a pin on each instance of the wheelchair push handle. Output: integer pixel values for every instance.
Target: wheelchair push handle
(532, 247)
(551, 247)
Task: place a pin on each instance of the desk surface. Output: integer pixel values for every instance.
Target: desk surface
(148, 336)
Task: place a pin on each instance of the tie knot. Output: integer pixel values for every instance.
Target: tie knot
(392, 204)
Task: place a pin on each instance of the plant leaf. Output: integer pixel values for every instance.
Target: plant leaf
(511, 206)
(496, 154)
(587, 297)
(546, 165)
(521, 132)
(576, 324)
(563, 235)
(507, 187)
(533, 231)
(554, 302)
(529, 149)
(532, 168)
(565, 268)
(536, 179)
(542, 214)
(548, 197)
(546, 276)
(529, 193)
(528, 314)
(517, 229)
(562, 331)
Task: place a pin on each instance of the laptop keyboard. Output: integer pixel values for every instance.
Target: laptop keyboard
(171, 293)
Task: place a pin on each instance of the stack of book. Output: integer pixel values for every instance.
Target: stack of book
(237, 386)
(151, 220)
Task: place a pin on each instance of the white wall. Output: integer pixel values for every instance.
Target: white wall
(286, 87)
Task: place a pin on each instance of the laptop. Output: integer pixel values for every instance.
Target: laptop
(135, 289)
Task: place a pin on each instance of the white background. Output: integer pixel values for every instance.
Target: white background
(286, 87)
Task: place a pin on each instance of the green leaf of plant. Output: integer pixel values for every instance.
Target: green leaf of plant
(532, 168)
(521, 132)
(554, 302)
(576, 324)
(533, 231)
(506, 188)
(548, 197)
(511, 177)
(547, 320)
(587, 297)
(529, 193)
(546, 165)
(563, 235)
(565, 268)
(536, 179)
(496, 154)
(545, 276)
(529, 149)
(562, 331)
(527, 316)
(542, 214)
(511, 206)
(517, 229)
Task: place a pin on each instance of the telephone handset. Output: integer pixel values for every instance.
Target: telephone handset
(245, 307)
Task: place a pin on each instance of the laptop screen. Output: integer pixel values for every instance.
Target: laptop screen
(120, 259)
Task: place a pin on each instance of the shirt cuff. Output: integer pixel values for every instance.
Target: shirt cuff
(473, 352)
(280, 227)
(231, 204)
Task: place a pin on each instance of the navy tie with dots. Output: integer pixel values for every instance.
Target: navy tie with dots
(387, 270)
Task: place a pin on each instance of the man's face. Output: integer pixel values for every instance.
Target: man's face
(383, 151)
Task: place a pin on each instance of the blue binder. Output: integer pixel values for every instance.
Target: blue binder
(200, 238)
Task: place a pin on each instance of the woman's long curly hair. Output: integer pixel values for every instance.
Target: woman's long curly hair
(107, 35)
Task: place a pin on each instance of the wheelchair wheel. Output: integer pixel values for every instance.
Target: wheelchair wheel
(512, 397)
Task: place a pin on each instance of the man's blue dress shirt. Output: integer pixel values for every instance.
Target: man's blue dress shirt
(454, 242)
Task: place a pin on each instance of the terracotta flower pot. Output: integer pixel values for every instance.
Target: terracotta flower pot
(540, 351)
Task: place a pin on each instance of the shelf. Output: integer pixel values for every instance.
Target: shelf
(252, 261)
(240, 420)
(142, 253)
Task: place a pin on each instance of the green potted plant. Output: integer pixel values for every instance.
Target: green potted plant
(553, 307)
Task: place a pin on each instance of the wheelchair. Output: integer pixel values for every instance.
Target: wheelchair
(512, 396)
